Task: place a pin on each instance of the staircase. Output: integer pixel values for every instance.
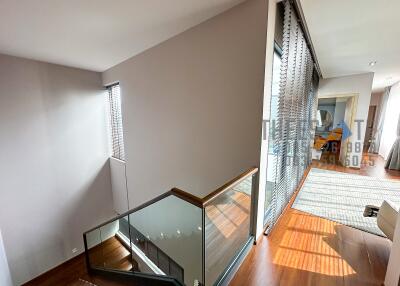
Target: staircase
(176, 238)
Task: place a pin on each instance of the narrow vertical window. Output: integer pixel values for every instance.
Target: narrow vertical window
(115, 115)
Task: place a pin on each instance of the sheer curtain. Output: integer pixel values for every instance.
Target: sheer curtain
(393, 160)
(295, 114)
(377, 133)
(389, 125)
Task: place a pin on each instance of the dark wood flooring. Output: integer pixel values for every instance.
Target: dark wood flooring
(73, 272)
(372, 165)
(305, 250)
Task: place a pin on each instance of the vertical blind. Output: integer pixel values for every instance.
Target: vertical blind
(115, 119)
(293, 130)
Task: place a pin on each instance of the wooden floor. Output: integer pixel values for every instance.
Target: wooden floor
(372, 165)
(307, 250)
(73, 273)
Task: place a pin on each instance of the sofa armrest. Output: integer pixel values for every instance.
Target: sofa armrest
(387, 217)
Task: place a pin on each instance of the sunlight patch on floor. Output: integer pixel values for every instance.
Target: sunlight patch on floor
(311, 248)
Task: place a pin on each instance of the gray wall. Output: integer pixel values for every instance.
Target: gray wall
(118, 183)
(340, 109)
(54, 172)
(5, 275)
(192, 106)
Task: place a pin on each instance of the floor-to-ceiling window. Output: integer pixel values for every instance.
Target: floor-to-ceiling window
(272, 152)
(293, 104)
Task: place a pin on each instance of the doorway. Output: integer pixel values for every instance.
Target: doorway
(334, 122)
(370, 127)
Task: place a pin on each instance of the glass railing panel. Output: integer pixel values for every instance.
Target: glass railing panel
(227, 228)
(106, 250)
(167, 238)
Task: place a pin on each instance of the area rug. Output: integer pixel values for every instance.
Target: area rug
(341, 197)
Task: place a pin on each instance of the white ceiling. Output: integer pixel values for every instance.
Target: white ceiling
(96, 34)
(348, 34)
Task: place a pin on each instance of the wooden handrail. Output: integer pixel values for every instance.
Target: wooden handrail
(207, 199)
(190, 198)
(201, 203)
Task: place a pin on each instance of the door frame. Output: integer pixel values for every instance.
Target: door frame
(349, 122)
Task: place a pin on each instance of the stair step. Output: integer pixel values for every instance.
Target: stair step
(121, 264)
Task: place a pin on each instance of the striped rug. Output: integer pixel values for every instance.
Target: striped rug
(341, 197)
